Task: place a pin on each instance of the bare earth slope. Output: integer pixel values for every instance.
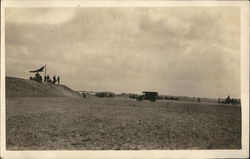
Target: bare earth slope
(18, 87)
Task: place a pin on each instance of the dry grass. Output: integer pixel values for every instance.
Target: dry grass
(120, 123)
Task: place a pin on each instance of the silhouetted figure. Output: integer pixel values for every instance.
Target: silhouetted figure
(54, 79)
(58, 79)
(83, 95)
(48, 79)
(233, 101)
(199, 100)
(228, 100)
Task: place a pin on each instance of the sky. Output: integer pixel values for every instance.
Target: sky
(183, 51)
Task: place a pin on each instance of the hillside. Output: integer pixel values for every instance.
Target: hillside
(18, 87)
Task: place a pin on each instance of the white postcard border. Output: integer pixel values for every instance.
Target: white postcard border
(244, 152)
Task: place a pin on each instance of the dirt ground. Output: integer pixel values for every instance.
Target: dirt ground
(64, 123)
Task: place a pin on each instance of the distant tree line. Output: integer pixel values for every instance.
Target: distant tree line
(158, 97)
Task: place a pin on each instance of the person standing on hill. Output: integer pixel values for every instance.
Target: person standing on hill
(48, 78)
(58, 79)
(54, 79)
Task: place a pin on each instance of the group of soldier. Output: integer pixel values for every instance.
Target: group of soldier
(47, 78)
(229, 100)
(53, 80)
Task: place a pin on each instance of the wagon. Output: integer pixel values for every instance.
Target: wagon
(152, 96)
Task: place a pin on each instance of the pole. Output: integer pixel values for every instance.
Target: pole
(45, 72)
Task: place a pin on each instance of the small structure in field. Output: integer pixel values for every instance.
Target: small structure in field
(152, 96)
(228, 100)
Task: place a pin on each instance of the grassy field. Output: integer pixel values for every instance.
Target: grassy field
(42, 123)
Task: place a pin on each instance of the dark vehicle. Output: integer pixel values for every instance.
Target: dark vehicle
(152, 96)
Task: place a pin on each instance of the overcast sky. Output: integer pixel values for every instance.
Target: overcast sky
(176, 51)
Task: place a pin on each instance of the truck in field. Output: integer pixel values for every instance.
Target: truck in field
(152, 96)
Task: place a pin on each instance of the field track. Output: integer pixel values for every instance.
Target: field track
(65, 123)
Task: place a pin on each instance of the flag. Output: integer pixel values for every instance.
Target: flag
(38, 70)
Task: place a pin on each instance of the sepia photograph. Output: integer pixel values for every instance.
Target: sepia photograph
(123, 78)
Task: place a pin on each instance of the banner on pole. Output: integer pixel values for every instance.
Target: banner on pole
(38, 70)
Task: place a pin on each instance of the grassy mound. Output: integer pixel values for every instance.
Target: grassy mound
(17, 87)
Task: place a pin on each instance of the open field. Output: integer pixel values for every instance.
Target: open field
(41, 123)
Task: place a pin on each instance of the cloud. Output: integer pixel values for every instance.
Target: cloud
(181, 51)
(39, 15)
